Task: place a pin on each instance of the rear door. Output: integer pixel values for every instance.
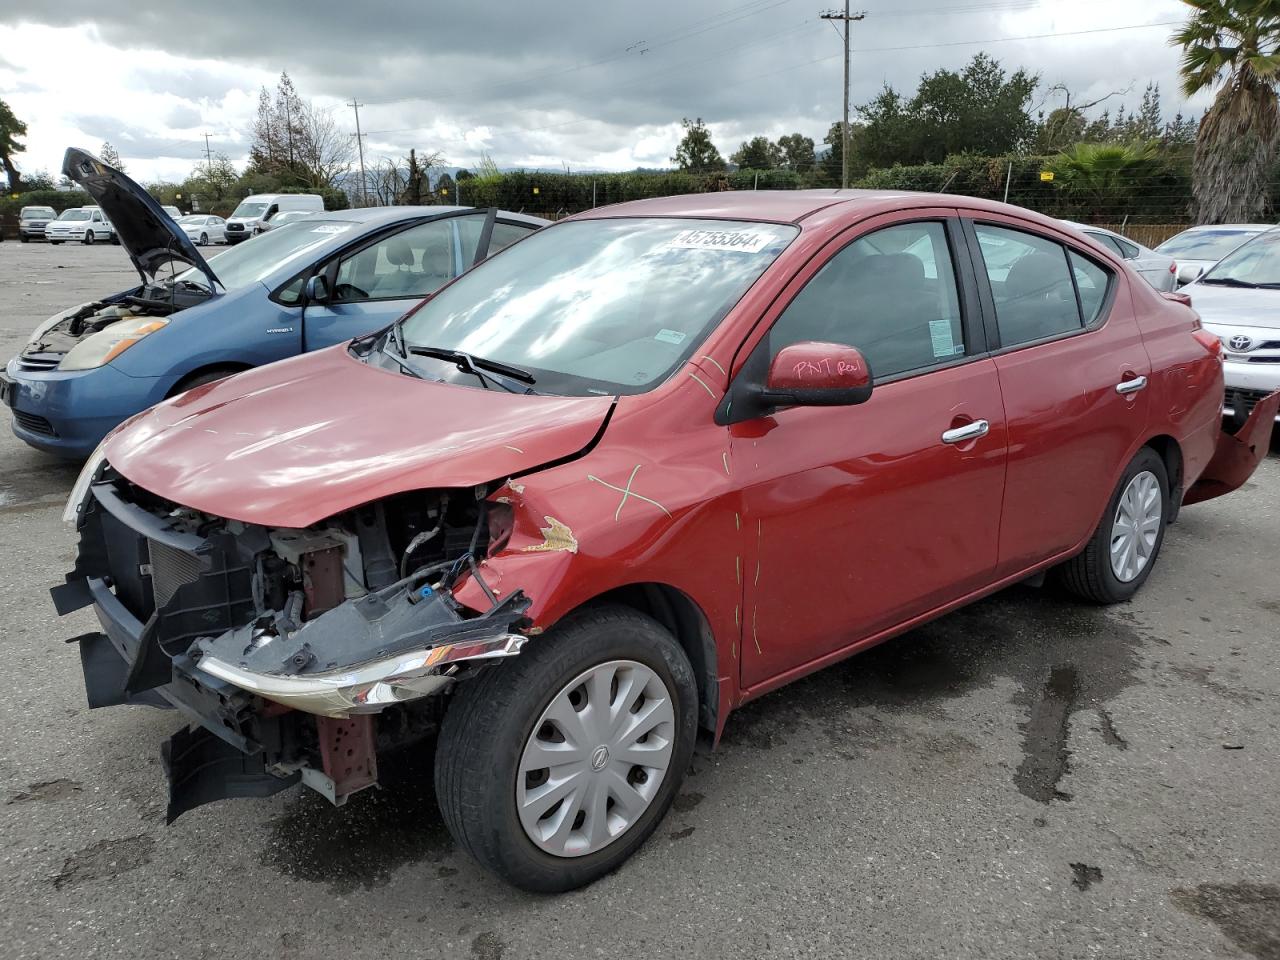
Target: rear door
(857, 519)
(377, 282)
(1073, 374)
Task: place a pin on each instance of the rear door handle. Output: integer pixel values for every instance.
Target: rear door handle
(970, 431)
(1131, 386)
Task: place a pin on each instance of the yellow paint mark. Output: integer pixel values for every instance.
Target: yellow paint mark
(737, 616)
(724, 458)
(733, 646)
(510, 447)
(702, 383)
(718, 367)
(556, 536)
(737, 520)
(759, 548)
(627, 492)
(737, 569)
(754, 638)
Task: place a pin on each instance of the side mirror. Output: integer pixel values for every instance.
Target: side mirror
(1189, 272)
(316, 289)
(810, 374)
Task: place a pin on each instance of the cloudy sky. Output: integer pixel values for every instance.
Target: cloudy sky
(589, 85)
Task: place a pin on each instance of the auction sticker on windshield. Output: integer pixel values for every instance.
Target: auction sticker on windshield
(332, 228)
(743, 241)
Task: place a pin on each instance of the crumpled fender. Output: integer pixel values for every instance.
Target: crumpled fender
(1237, 455)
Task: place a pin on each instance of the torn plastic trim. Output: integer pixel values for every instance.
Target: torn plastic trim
(1237, 455)
(366, 654)
(370, 688)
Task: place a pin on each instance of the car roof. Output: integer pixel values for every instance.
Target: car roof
(386, 215)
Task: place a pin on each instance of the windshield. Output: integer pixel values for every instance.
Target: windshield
(1205, 244)
(74, 215)
(600, 306)
(35, 213)
(257, 259)
(1256, 263)
(250, 210)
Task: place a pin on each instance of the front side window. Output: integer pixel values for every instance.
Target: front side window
(892, 294)
(1030, 283)
(601, 306)
(411, 263)
(250, 211)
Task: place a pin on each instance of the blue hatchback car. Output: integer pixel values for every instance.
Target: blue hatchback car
(306, 285)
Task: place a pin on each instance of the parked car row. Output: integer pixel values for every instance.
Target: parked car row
(85, 225)
(569, 493)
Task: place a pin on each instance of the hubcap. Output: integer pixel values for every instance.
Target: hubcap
(596, 758)
(1136, 526)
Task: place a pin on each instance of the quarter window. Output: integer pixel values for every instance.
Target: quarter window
(892, 294)
(1091, 281)
(1031, 284)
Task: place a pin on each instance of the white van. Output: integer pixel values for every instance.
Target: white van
(255, 210)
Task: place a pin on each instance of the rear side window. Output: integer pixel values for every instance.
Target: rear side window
(1035, 297)
(892, 294)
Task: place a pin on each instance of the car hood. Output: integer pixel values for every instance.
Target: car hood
(292, 443)
(1235, 306)
(147, 233)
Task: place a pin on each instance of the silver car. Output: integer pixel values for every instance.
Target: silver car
(1158, 269)
(1199, 248)
(32, 221)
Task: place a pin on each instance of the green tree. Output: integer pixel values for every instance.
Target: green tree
(444, 189)
(695, 153)
(212, 182)
(110, 156)
(1236, 42)
(758, 153)
(11, 128)
(39, 180)
(795, 152)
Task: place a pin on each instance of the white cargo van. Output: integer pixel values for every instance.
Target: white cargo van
(256, 210)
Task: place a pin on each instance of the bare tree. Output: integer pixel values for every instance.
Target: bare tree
(323, 149)
(387, 182)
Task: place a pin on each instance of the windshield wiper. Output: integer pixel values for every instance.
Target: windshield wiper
(476, 366)
(1230, 282)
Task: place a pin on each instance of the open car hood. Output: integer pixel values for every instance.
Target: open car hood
(295, 442)
(147, 233)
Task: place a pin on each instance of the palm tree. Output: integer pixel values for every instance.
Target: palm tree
(1106, 177)
(1237, 139)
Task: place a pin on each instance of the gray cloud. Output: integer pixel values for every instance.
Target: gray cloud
(578, 80)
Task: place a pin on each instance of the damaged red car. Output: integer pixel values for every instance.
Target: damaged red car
(632, 472)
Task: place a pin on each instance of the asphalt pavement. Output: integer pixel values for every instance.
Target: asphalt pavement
(1030, 777)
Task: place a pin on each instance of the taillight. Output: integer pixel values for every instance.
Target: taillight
(1173, 267)
(1182, 298)
(1209, 341)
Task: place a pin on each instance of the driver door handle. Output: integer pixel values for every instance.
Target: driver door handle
(970, 431)
(1131, 386)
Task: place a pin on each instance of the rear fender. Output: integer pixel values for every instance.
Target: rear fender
(1237, 455)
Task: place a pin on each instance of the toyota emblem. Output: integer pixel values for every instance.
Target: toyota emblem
(1240, 342)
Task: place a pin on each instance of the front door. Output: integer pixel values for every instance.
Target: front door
(371, 286)
(857, 519)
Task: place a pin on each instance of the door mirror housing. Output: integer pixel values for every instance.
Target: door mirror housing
(812, 374)
(316, 289)
(1189, 272)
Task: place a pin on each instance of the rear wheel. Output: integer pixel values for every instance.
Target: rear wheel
(1123, 549)
(554, 767)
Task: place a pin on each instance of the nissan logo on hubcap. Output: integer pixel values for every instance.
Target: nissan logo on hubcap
(1240, 342)
(599, 757)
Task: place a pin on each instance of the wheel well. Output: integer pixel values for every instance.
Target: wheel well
(1171, 453)
(200, 372)
(675, 611)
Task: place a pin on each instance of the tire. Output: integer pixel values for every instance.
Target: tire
(54, 242)
(200, 379)
(204, 239)
(1092, 573)
(88, 238)
(493, 717)
(24, 238)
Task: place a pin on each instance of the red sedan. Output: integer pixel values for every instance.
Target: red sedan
(639, 468)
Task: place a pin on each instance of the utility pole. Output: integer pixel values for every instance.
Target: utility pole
(846, 18)
(364, 180)
(208, 154)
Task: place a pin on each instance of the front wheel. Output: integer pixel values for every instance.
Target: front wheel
(88, 238)
(554, 767)
(1124, 547)
(204, 239)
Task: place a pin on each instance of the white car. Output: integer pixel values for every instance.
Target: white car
(285, 216)
(1238, 299)
(85, 224)
(1158, 269)
(1199, 248)
(203, 228)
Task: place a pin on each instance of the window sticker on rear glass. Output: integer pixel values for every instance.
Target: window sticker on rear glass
(669, 336)
(944, 344)
(331, 228)
(741, 241)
